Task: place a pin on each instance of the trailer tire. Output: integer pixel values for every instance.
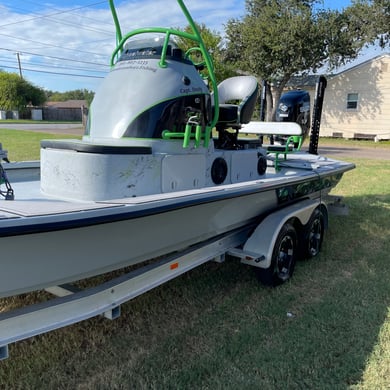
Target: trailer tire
(283, 260)
(314, 234)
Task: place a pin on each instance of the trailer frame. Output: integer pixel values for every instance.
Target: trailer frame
(252, 244)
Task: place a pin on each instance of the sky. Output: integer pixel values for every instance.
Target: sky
(65, 45)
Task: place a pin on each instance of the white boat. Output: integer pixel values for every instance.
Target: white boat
(147, 178)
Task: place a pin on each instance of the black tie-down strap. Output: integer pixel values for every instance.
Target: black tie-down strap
(8, 193)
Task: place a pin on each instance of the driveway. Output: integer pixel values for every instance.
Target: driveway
(370, 152)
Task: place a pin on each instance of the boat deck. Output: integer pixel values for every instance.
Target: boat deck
(31, 202)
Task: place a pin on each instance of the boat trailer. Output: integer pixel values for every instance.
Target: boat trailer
(254, 244)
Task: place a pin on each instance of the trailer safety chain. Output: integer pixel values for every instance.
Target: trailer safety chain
(8, 194)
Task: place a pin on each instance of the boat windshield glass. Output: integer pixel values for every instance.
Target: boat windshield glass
(147, 47)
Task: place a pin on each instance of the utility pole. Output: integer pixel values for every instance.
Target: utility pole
(20, 67)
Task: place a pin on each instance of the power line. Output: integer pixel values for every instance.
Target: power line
(57, 58)
(40, 16)
(70, 11)
(46, 68)
(51, 45)
(55, 73)
(51, 69)
(48, 65)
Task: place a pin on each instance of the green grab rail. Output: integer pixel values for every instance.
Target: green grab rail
(116, 22)
(285, 149)
(196, 37)
(192, 130)
(208, 60)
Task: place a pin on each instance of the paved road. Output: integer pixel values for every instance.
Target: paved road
(369, 152)
(353, 151)
(56, 128)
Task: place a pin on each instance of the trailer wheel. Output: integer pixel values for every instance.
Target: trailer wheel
(314, 234)
(283, 258)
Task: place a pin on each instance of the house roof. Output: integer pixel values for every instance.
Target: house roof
(362, 63)
(311, 80)
(67, 104)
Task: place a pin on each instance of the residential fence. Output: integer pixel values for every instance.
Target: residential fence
(48, 114)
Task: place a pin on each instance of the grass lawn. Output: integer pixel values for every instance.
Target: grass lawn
(349, 142)
(216, 327)
(25, 145)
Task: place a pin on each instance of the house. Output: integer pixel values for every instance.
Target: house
(69, 110)
(357, 100)
(67, 104)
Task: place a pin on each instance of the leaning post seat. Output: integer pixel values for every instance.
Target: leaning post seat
(237, 101)
(290, 129)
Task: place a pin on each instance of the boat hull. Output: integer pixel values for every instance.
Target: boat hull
(46, 258)
(61, 248)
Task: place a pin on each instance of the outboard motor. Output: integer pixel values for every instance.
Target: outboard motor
(294, 106)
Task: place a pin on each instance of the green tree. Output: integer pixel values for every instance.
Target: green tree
(77, 94)
(281, 38)
(214, 44)
(371, 20)
(16, 93)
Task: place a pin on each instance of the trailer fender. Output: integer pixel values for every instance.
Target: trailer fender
(257, 250)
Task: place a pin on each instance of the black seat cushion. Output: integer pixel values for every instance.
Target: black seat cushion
(228, 113)
(79, 146)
